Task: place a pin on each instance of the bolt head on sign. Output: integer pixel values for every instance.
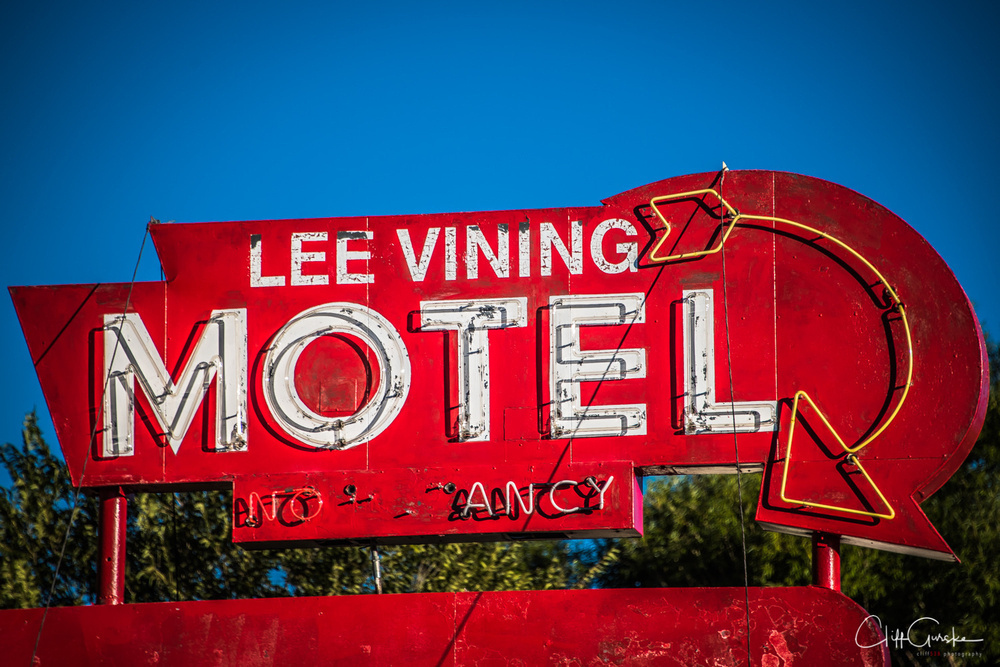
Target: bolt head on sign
(512, 373)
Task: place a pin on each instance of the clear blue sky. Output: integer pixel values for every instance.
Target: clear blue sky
(112, 112)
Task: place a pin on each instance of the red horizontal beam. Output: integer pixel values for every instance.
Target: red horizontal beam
(684, 626)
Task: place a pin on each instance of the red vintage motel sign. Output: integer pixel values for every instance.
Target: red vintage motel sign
(498, 373)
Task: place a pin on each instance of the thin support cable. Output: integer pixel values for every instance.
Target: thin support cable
(93, 435)
(736, 444)
(176, 554)
(892, 304)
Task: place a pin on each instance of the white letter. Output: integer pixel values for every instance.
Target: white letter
(500, 262)
(524, 249)
(299, 258)
(472, 319)
(701, 413)
(552, 496)
(343, 255)
(450, 253)
(485, 505)
(256, 280)
(569, 366)
(295, 417)
(597, 487)
(418, 270)
(550, 239)
(630, 250)
(530, 508)
(129, 353)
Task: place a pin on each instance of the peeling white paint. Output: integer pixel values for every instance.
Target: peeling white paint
(256, 261)
(418, 269)
(129, 355)
(476, 241)
(569, 365)
(701, 413)
(299, 421)
(299, 257)
(630, 249)
(549, 239)
(450, 253)
(524, 249)
(472, 320)
(344, 255)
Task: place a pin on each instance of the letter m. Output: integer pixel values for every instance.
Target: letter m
(130, 356)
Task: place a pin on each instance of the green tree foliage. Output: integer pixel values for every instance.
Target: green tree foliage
(427, 568)
(35, 513)
(179, 547)
(693, 537)
(900, 589)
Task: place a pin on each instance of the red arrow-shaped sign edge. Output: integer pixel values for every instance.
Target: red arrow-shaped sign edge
(842, 491)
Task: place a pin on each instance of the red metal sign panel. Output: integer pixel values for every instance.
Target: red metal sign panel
(587, 500)
(684, 626)
(760, 319)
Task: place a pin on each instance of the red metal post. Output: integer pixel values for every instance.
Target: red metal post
(826, 561)
(111, 569)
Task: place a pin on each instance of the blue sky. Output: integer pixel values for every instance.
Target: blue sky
(113, 112)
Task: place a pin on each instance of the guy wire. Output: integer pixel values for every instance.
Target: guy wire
(93, 435)
(736, 444)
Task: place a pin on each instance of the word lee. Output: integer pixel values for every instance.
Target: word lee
(564, 497)
(220, 353)
(352, 246)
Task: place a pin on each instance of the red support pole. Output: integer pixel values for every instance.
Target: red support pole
(111, 568)
(826, 561)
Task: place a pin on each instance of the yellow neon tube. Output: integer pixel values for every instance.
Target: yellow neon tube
(736, 216)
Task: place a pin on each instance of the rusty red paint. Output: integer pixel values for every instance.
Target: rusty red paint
(111, 563)
(790, 313)
(807, 626)
(826, 561)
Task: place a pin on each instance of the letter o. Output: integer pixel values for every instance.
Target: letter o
(296, 418)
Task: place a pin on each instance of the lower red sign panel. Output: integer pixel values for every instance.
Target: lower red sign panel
(532, 501)
(685, 626)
